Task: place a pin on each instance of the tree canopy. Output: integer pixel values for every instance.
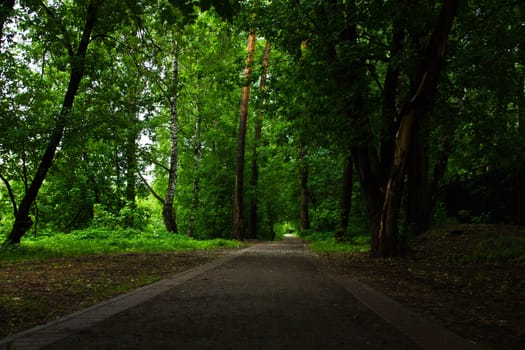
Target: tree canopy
(359, 118)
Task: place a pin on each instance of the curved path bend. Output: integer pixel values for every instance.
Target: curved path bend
(270, 296)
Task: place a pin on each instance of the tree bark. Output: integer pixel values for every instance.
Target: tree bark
(10, 193)
(168, 210)
(77, 67)
(238, 215)
(130, 149)
(252, 223)
(370, 179)
(304, 224)
(418, 193)
(197, 155)
(386, 241)
(305, 209)
(389, 115)
(346, 198)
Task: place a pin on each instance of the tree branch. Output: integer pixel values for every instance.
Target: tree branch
(63, 29)
(152, 191)
(11, 193)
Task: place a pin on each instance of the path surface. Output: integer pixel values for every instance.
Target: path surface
(270, 296)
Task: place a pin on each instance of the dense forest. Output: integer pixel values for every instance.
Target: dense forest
(226, 118)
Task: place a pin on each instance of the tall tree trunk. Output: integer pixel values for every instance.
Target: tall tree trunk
(197, 155)
(77, 67)
(252, 223)
(389, 115)
(131, 171)
(418, 192)
(168, 210)
(305, 208)
(131, 134)
(386, 242)
(238, 215)
(346, 198)
(370, 179)
(363, 154)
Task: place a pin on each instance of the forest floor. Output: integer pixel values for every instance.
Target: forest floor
(443, 279)
(440, 279)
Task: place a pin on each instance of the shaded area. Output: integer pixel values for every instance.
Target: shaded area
(36, 292)
(269, 298)
(451, 277)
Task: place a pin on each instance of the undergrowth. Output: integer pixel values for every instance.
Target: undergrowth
(104, 241)
(325, 242)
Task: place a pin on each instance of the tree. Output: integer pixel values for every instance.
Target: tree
(252, 224)
(423, 98)
(238, 200)
(346, 198)
(77, 62)
(168, 212)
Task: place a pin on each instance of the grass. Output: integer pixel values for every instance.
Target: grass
(503, 248)
(473, 244)
(478, 243)
(105, 241)
(324, 242)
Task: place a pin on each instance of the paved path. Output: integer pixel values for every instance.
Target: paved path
(270, 296)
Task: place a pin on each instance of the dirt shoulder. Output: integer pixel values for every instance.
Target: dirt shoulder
(35, 292)
(481, 301)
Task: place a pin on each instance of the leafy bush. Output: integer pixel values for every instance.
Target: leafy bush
(128, 216)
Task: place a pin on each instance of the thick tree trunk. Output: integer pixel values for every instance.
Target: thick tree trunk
(418, 194)
(389, 115)
(367, 165)
(386, 241)
(77, 62)
(238, 214)
(253, 221)
(346, 198)
(168, 210)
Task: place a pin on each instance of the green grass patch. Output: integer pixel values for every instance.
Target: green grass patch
(321, 242)
(499, 249)
(105, 241)
(475, 243)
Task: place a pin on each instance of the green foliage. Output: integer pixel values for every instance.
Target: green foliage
(475, 244)
(128, 216)
(118, 127)
(106, 241)
(324, 242)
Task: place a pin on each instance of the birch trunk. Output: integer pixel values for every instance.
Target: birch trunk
(168, 210)
(197, 155)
